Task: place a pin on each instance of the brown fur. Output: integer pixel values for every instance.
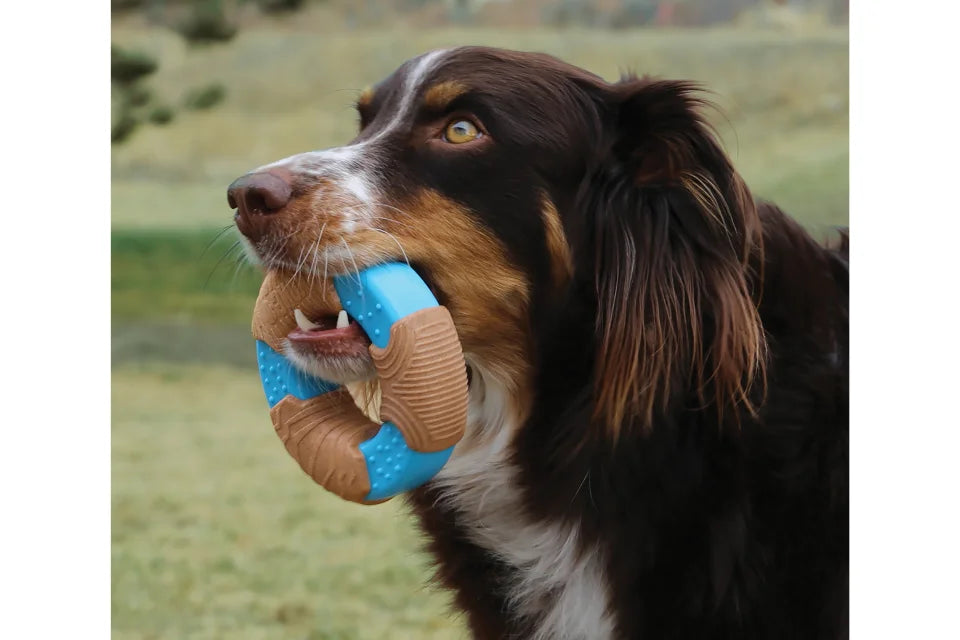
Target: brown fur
(657, 297)
(561, 260)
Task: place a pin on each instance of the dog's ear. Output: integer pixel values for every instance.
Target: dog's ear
(674, 230)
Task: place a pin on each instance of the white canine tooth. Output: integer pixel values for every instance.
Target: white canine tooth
(342, 319)
(303, 322)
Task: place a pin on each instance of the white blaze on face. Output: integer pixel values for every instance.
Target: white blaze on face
(358, 186)
(351, 171)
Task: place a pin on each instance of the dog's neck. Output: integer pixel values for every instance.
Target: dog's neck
(493, 417)
(553, 584)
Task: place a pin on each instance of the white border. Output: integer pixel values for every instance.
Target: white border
(905, 245)
(55, 230)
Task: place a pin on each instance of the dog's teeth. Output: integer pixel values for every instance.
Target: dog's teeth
(342, 319)
(303, 322)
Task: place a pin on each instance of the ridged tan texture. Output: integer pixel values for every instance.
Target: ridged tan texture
(322, 434)
(423, 380)
(281, 293)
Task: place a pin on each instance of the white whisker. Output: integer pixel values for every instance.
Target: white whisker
(296, 271)
(390, 206)
(354, 261)
(394, 238)
(316, 253)
(325, 260)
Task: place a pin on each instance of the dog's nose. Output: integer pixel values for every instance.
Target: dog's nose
(257, 195)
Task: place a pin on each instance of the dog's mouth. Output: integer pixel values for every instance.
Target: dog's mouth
(337, 335)
(331, 347)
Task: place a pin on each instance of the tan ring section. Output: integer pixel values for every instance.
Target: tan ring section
(423, 380)
(322, 434)
(281, 293)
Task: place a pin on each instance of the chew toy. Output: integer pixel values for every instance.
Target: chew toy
(418, 359)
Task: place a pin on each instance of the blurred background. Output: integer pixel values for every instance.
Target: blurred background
(215, 530)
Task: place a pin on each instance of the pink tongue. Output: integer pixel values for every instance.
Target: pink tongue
(348, 341)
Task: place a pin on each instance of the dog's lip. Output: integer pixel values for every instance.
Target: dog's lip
(329, 340)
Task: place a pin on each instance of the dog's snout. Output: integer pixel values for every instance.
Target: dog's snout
(257, 195)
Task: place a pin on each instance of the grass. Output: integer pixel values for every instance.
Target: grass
(181, 276)
(218, 534)
(181, 296)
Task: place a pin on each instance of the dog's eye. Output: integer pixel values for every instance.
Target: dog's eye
(460, 131)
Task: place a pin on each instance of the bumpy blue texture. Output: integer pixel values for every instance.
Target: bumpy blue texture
(381, 295)
(394, 467)
(376, 299)
(280, 379)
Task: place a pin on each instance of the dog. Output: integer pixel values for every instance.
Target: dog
(657, 439)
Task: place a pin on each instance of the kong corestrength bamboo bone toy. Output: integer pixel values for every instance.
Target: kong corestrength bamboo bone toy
(423, 383)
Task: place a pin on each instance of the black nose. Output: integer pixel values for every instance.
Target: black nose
(257, 195)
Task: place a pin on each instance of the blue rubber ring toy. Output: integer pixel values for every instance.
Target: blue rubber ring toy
(418, 358)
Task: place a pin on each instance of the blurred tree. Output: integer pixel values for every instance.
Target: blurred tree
(125, 5)
(280, 6)
(205, 97)
(129, 66)
(127, 70)
(132, 102)
(207, 23)
(122, 122)
(161, 114)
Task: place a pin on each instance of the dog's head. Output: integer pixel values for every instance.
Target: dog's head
(548, 210)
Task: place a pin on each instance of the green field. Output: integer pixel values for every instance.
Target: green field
(216, 532)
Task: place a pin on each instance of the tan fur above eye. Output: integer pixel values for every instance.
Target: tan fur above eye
(440, 95)
(366, 97)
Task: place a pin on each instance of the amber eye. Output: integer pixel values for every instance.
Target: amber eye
(460, 131)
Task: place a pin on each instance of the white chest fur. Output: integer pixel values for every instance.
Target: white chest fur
(556, 584)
